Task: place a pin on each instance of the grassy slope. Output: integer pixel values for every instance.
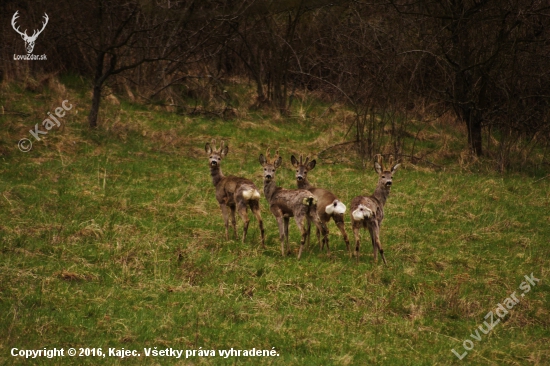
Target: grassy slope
(114, 239)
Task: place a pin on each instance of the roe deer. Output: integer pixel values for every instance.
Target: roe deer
(328, 205)
(233, 193)
(368, 212)
(286, 203)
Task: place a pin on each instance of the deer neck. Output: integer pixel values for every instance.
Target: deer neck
(216, 173)
(381, 194)
(269, 189)
(303, 184)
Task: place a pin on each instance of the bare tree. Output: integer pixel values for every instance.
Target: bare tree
(475, 46)
(265, 39)
(124, 36)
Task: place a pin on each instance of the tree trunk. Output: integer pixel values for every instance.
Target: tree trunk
(94, 110)
(474, 134)
(96, 98)
(259, 88)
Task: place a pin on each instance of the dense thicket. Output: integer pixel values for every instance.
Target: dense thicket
(484, 61)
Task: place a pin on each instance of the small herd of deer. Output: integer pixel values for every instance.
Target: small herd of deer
(306, 204)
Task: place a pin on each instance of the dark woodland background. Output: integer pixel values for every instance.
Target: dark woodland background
(481, 63)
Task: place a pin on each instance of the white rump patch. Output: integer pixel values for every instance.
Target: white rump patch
(251, 194)
(362, 212)
(336, 207)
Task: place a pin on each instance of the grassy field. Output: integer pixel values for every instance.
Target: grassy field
(113, 239)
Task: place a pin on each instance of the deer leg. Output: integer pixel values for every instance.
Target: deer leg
(225, 215)
(286, 233)
(241, 209)
(308, 233)
(303, 232)
(356, 235)
(373, 240)
(322, 230)
(377, 245)
(255, 207)
(339, 220)
(321, 246)
(281, 234)
(233, 221)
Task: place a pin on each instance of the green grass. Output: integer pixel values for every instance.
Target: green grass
(113, 238)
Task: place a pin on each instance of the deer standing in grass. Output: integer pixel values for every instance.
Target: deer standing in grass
(328, 205)
(368, 212)
(233, 193)
(287, 203)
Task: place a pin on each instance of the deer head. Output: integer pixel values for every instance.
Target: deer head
(270, 165)
(29, 40)
(215, 155)
(302, 167)
(385, 175)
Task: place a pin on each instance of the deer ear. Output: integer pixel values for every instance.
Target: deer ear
(262, 159)
(208, 148)
(311, 164)
(394, 168)
(377, 168)
(224, 152)
(278, 162)
(294, 161)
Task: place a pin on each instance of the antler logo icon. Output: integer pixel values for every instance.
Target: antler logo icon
(29, 41)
